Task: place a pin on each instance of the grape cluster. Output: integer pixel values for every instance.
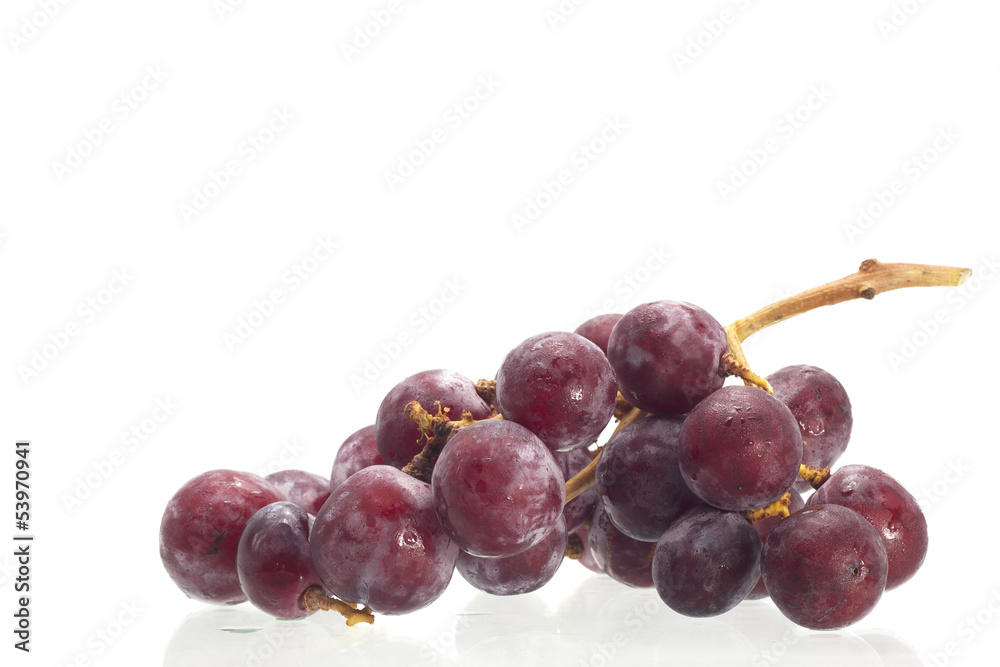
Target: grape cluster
(698, 492)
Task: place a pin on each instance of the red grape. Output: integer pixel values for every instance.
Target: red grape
(639, 478)
(201, 529)
(357, 452)
(377, 542)
(305, 489)
(824, 567)
(521, 573)
(740, 449)
(397, 436)
(666, 355)
(822, 409)
(274, 562)
(560, 386)
(622, 558)
(706, 562)
(763, 527)
(598, 329)
(497, 488)
(890, 508)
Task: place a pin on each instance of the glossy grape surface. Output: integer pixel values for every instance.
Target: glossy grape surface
(358, 451)
(497, 488)
(824, 567)
(201, 529)
(740, 449)
(377, 541)
(891, 509)
(666, 355)
(307, 490)
(397, 437)
(598, 329)
(521, 573)
(274, 562)
(623, 559)
(822, 408)
(706, 562)
(639, 477)
(560, 386)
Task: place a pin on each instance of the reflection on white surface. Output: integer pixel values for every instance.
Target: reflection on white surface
(598, 624)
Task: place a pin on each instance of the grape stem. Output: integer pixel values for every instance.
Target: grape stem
(316, 599)
(872, 278)
(437, 429)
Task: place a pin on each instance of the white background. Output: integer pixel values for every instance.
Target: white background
(87, 190)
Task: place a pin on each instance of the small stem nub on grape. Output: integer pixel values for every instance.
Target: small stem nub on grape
(574, 547)
(778, 508)
(815, 476)
(487, 390)
(316, 599)
(437, 429)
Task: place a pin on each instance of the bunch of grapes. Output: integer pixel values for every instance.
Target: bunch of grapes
(698, 492)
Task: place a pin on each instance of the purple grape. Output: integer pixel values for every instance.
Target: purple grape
(201, 529)
(274, 562)
(740, 449)
(397, 436)
(890, 508)
(521, 573)
(639, 478)
(620, 557)
(357, 452)
(706, 562)
(497, 489)
(666, 355)
(822, 409)
(763, 527)
(824, 567)
(587, 558)
(577, 511)
(560, 386)
(377, 542)
(303, 488)
(598, 329)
